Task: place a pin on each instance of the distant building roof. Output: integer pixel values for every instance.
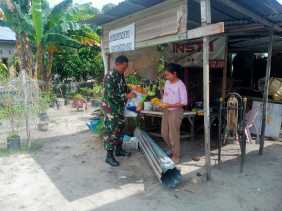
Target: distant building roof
(6, 34)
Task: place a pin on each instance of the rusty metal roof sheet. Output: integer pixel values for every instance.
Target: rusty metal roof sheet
(270, 10)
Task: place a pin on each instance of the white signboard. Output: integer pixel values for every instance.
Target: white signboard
(122, 39)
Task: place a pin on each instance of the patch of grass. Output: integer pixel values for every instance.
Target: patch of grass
(4, 153)
(35, 147)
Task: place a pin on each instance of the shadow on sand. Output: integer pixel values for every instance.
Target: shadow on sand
(75, 165)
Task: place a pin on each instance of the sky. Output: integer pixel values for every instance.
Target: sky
(96, 3)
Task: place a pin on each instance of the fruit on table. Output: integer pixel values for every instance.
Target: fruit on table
(156, 101)
(152, 92)
(132, 86)
(137, 88)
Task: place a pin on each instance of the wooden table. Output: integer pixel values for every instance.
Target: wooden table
(190, 115)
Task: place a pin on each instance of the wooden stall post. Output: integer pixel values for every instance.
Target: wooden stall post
(265, 94)
(109, 62)
(225, 69)
(206, 20)
(105, 58)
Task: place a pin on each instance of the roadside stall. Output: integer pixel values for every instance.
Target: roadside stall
(148, 61)
(198, 34)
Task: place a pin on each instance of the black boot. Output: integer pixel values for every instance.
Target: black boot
(120, 152)
(110, 159)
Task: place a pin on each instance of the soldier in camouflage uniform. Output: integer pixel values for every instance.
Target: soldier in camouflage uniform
(114, 100)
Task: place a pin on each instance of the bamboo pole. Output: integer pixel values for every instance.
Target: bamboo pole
(206, 19)
(26, 105)
(265, 94)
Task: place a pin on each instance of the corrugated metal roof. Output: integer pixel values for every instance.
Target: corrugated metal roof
(270, 9)
(6, 34)
(236, 20)
(123, 9)
(263, 8)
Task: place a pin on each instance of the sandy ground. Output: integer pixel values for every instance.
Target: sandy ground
(68, 173)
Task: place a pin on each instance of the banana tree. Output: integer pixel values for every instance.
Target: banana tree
(15, 15)
(52, 31)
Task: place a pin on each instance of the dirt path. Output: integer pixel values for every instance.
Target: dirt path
(68, 173)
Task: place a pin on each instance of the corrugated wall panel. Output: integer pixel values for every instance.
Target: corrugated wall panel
(167, 18)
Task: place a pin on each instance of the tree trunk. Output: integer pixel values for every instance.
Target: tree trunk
(39, 72)
(49, 67)
(23, 52)
(26, 57)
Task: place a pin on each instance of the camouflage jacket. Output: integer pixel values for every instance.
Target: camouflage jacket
(115, 90)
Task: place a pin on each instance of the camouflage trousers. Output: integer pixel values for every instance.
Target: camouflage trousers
(114, 126)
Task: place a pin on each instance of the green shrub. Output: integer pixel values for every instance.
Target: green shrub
(98, 90)
(4, 73)
(95, 92)
(13, 110)
(45, 99)
(85, 91)
(133, 79)
(78, 97)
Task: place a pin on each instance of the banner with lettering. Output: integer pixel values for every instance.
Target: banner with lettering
(190, 53)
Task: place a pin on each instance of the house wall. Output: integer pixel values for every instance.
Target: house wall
(167, 18)
(143, 61)
(6, 50)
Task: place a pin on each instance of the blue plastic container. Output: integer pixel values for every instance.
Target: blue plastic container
(95, 125)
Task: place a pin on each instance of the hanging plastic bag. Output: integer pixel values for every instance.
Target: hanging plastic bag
(133, 105)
